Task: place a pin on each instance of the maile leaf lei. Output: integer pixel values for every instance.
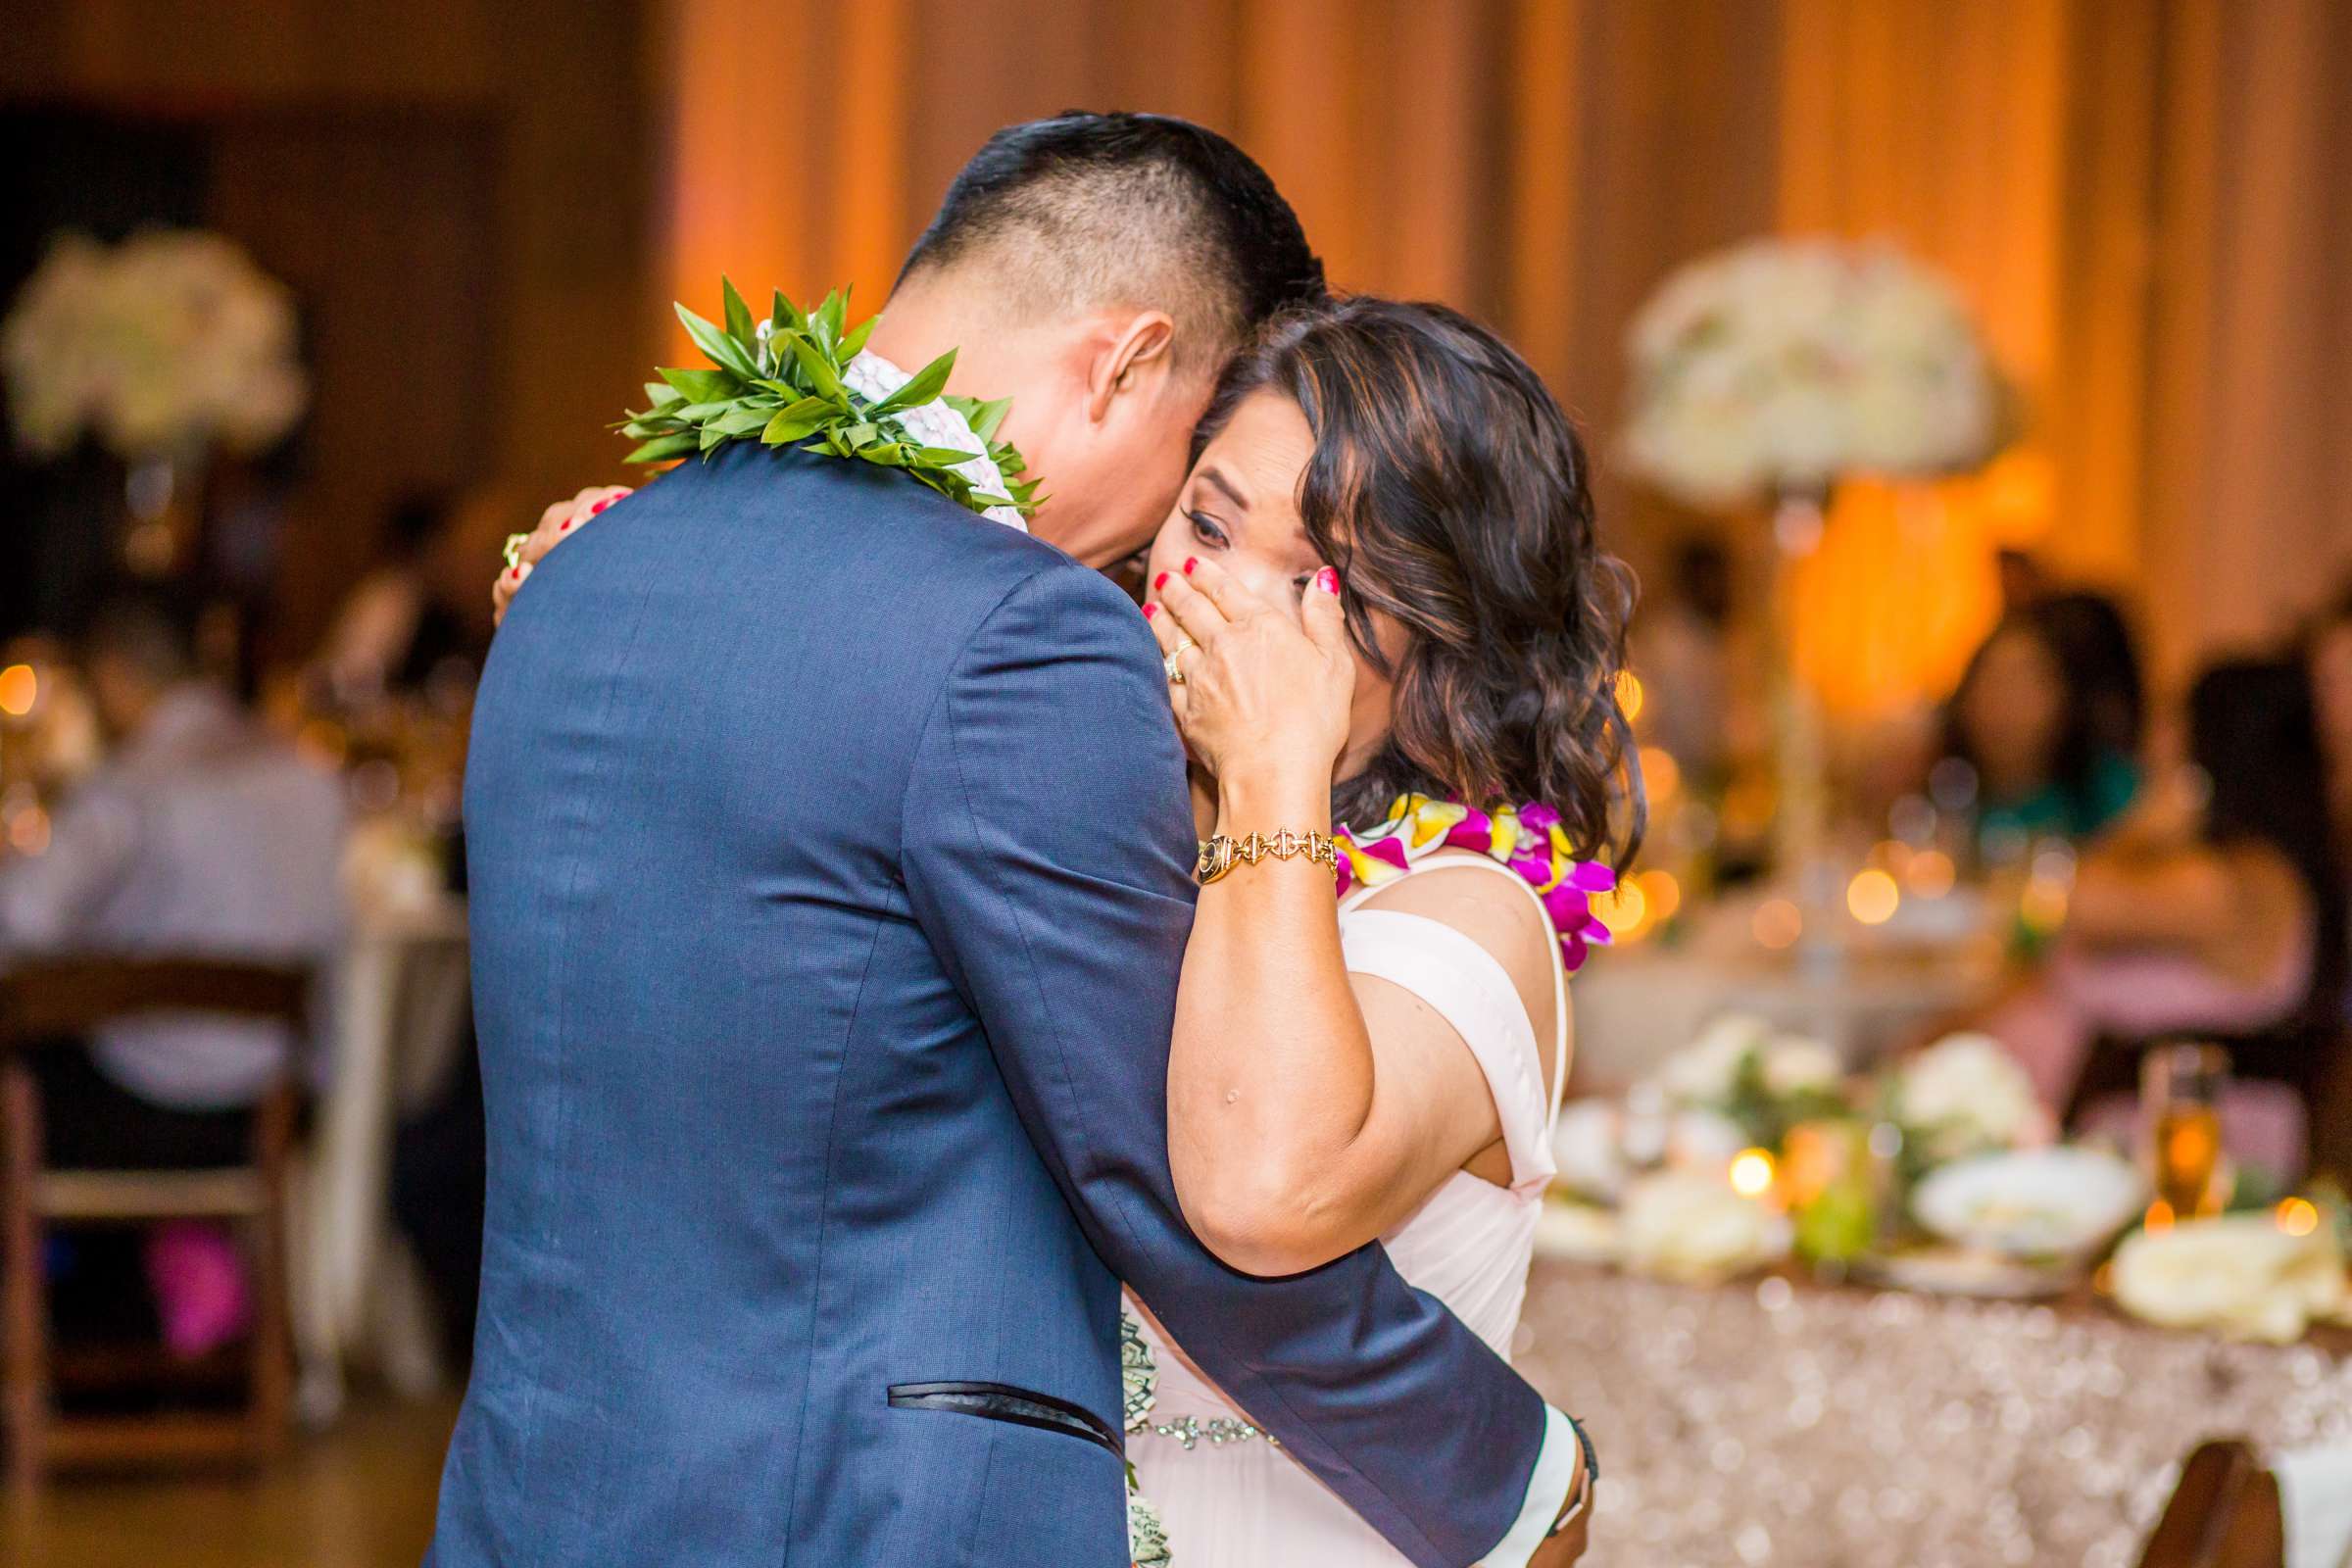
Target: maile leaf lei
(780, 380)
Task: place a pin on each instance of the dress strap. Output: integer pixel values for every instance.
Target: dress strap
(1469, 988)
(1352, 901)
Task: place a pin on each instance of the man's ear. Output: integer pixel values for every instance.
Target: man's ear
(1138, 351)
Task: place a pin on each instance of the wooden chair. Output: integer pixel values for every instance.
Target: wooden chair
(2222, 1514)
(40, 1005)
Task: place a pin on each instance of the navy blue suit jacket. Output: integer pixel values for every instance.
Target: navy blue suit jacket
(830, 854)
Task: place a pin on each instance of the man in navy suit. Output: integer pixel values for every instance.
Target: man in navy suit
(827, 915)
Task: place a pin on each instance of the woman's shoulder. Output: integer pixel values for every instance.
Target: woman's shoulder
(1482, 901)
(1490, 904)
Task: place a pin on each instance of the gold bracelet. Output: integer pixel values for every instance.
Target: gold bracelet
(1218, 853)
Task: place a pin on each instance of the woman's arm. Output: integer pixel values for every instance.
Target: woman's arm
(2233, 909)
(1308, 1110)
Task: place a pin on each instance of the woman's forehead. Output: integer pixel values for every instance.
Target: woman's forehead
(1259, 455)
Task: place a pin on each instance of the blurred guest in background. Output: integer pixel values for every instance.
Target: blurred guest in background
(2048, 715)
(2328, 651)
(1681, 652)
(2022, 578)
(412, 615)
(2327, 655)
(199, 835)
(2217, 906)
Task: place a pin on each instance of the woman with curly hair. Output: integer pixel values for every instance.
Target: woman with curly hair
(1387, 616)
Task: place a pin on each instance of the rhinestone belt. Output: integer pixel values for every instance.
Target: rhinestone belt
(1187, 1431)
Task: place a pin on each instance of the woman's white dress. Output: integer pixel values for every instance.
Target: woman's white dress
(1241, 1502)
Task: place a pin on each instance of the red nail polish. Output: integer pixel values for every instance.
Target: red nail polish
(600, 506)
(1189, 565)
(566, 527)
(1160, 581)
(1328, 580)
(514, 573)
(1150, 610)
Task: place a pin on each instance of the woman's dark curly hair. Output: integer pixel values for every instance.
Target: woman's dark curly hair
(1453, 496)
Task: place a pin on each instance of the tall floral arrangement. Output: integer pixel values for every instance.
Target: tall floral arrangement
(1780, 365)
(169, 343)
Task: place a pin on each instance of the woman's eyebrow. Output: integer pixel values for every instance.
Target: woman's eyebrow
(1217, 476)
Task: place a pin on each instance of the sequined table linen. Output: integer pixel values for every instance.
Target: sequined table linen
(1768, 1423)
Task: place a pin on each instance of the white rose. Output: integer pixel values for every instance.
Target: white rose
(1793, 1064)
(1681, 1225)
(1587, 1144)
(2239, 1274)
(1966, 1093)
(1703, 1071)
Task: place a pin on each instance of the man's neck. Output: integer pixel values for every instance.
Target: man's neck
(924, 321)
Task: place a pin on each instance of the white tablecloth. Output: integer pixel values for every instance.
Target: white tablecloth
(398, 1022)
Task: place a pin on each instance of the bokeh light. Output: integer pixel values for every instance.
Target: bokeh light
(20, 689)
(2298, 1216)
(1630, 695)
(1751, 1172)
(1661, 893)
(1625, 911)
(1930, 873)
(1872, 897)
(1778, 924)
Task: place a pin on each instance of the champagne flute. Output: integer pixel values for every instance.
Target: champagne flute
(2180, 1096)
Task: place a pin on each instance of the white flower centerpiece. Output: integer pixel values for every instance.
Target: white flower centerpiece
(1779, 367)
(1965, 1094)
(162, 350)
(1764, 374)
(169, 343)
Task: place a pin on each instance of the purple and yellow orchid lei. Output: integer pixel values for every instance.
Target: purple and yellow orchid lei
(1529, 838)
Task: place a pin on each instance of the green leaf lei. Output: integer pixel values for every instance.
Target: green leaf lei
(781, 381)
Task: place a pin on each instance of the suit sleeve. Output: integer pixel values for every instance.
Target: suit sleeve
(1048, 855)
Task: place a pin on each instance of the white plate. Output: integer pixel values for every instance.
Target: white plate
(1944, 1269)
(2032, 1203)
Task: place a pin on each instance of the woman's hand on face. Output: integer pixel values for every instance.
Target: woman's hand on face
(1261, 692)
(556, 524)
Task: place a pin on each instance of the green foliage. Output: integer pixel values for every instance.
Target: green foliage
(780, 381)
(1766, 1114)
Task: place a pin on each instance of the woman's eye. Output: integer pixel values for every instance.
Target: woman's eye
(1205, 529)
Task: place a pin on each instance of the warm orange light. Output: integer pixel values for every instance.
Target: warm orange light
(1751, 1172)
(2042, 906)
(2298, 1216)
(1777, 923)
(1625, 911)
(18, 687)
(1662, 893)
(1661, 774)
(1872, 897)
(1930, 873)
(2160, 1216)
(1630, 695)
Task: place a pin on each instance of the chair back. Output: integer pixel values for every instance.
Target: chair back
(2224, 1514)
(70, 996)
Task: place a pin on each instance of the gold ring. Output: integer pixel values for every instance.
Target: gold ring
(1182, 645)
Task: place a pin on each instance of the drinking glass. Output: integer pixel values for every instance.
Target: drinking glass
(2181, 1101)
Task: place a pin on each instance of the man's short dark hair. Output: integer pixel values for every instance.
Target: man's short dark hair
(148, 627)
(1092, 208)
